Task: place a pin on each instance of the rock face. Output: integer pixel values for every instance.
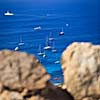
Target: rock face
(81, 66)
(20, 70)
(22, 77)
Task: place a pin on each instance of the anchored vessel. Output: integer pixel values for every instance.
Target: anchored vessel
(8, 13)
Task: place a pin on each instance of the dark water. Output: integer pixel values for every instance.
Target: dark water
(83, 26)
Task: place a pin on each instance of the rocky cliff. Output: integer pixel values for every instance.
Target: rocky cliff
(23, 77)
(81, 66)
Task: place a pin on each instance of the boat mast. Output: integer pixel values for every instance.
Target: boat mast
(39, 48)
(47, 41)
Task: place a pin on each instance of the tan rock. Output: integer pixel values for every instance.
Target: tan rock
(21, 70)
(22, 77)
(52, 92)
(36, 98)
(81, 66)
(6, 95)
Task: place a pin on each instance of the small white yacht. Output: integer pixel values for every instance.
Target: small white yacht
(62, 32)
(54, 50)
(38, 28)
(50, 37)
(21, 43)
(16, 48)
(47, 47)
(40, 53)
(44, 55)
(57, 62)
(8, 13)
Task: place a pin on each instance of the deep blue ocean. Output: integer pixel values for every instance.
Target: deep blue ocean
(80, 23)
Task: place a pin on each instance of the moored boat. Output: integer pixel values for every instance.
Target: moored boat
(8, 13)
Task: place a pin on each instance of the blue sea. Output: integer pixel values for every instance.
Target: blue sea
(79, 21)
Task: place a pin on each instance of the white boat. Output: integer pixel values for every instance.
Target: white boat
(8, 13)
(44, 55)
(21, 43)
(40, 51)
(54, 50)
(47, 47)
(57, 62)
(62, 32)
(37, 28)
(16, 48)
(50, 37)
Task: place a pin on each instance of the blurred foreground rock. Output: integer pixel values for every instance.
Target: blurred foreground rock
(22, 77)
(81, 66)
(20, 70)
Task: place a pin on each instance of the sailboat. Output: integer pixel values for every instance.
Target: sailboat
(54, 50)
(44, 55)
(38, 28)
(57, 61)
(47, 47)
(62, 32)
(8, 13)
(50, 37)
(40, 51)
(21, 43)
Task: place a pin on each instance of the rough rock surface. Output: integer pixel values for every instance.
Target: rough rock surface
(49, 93)
(81, 66)
(6, 95)
(22, 77)
(20, 70)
